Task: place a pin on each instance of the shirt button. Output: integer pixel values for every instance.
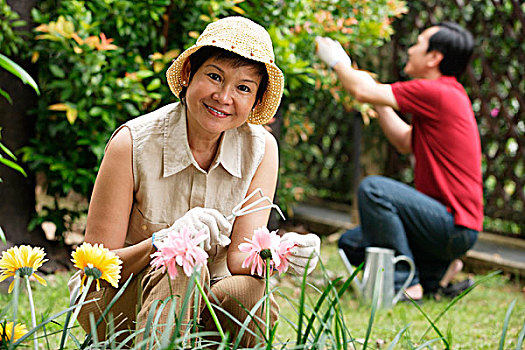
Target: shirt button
(144, 227)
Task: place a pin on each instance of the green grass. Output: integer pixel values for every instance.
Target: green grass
(475, 322)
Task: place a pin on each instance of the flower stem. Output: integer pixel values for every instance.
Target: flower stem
(16, 292)
(268, 300)
(212, 312)
(77, 310)
(32, 306)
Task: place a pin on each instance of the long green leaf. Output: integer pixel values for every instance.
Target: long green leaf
(48, 320)
(7, 151)
(13, 165)
(18, 71)
(378, 284)
(2, 236)
(432, 323)
(16, 293)
(301, 304)
(506, 324)
(521, 336)
(6, 96)
(110, 305)
(459, 297)
(396, 338)
(331, 307)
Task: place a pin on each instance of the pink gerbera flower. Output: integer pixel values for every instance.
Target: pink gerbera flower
(263, 244)
(180, 248)
(284, 252)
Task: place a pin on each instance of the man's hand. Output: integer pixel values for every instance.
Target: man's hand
(211, 221)
(331, 52)
(306, 247)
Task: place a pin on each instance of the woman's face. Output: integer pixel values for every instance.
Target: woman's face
(220, 96)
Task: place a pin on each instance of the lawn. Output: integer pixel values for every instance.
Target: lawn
(474, 322)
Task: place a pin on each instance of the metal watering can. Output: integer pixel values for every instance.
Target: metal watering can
(379, 269)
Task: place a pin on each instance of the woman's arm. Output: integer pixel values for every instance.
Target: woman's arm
(111, 203)
(265, 178)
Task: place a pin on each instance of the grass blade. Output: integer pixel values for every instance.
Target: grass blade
(506, 324)
(459, 297)
(149, 320)
(378, 285)
(110, 305)
(521, 336)
(396, 338)
(301, 304)
(432, 323)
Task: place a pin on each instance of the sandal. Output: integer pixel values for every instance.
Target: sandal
(452, 290)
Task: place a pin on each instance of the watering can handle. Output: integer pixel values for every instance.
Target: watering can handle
(409, 278)
(355, 282)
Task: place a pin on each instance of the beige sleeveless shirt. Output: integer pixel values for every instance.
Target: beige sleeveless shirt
(168, 181)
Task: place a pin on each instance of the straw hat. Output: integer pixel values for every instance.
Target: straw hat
(247, 39)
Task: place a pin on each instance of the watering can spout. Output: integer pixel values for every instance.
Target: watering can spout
(356, 283)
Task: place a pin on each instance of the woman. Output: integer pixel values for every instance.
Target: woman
(189, 164)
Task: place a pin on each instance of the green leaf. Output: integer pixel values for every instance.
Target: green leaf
(2, 236)
(154, 84)
(12, 165)
(142, 74)
(57, 71)
(18, 71)
(7, 151)
(6, 95)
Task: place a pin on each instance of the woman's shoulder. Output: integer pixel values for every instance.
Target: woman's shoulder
(153, 120)
(257, 132)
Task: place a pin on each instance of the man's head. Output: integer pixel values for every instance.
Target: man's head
(456, 44)
(444, 49)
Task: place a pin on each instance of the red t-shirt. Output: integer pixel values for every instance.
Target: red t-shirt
(446, 145)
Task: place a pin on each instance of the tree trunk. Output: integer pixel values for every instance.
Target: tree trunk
(17, 193)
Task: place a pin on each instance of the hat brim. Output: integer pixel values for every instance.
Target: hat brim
(265, 109)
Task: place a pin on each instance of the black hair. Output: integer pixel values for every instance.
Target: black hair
(200, 56)
(456, 44)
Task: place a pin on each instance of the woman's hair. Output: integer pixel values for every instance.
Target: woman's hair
(456, 44)
(200, 56)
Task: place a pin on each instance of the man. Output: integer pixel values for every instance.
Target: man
(439, 220)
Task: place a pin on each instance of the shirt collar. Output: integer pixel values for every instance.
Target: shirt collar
(177, 155)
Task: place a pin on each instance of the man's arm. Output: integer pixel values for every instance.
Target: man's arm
(365, 89)
(395, 129)
(359, 83)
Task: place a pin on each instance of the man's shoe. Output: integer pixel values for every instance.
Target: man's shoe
(453, 289)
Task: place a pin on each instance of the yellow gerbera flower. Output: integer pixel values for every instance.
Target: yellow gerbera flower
(97, 262)
(20, 331)
(24, 259)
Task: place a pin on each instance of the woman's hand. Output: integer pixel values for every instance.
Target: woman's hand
(307, 247)
(214, 224)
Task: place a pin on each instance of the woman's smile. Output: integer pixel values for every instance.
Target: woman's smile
(216, 111)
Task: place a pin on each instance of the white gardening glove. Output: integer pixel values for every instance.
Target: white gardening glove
(305, 246)
(331, 52)
(211, 221)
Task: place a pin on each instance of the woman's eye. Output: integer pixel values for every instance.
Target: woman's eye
(214, 76)
(244, 88)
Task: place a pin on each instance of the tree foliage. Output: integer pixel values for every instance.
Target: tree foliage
(103, 62)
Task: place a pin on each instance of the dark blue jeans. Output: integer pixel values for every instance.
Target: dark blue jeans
(396, 216)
